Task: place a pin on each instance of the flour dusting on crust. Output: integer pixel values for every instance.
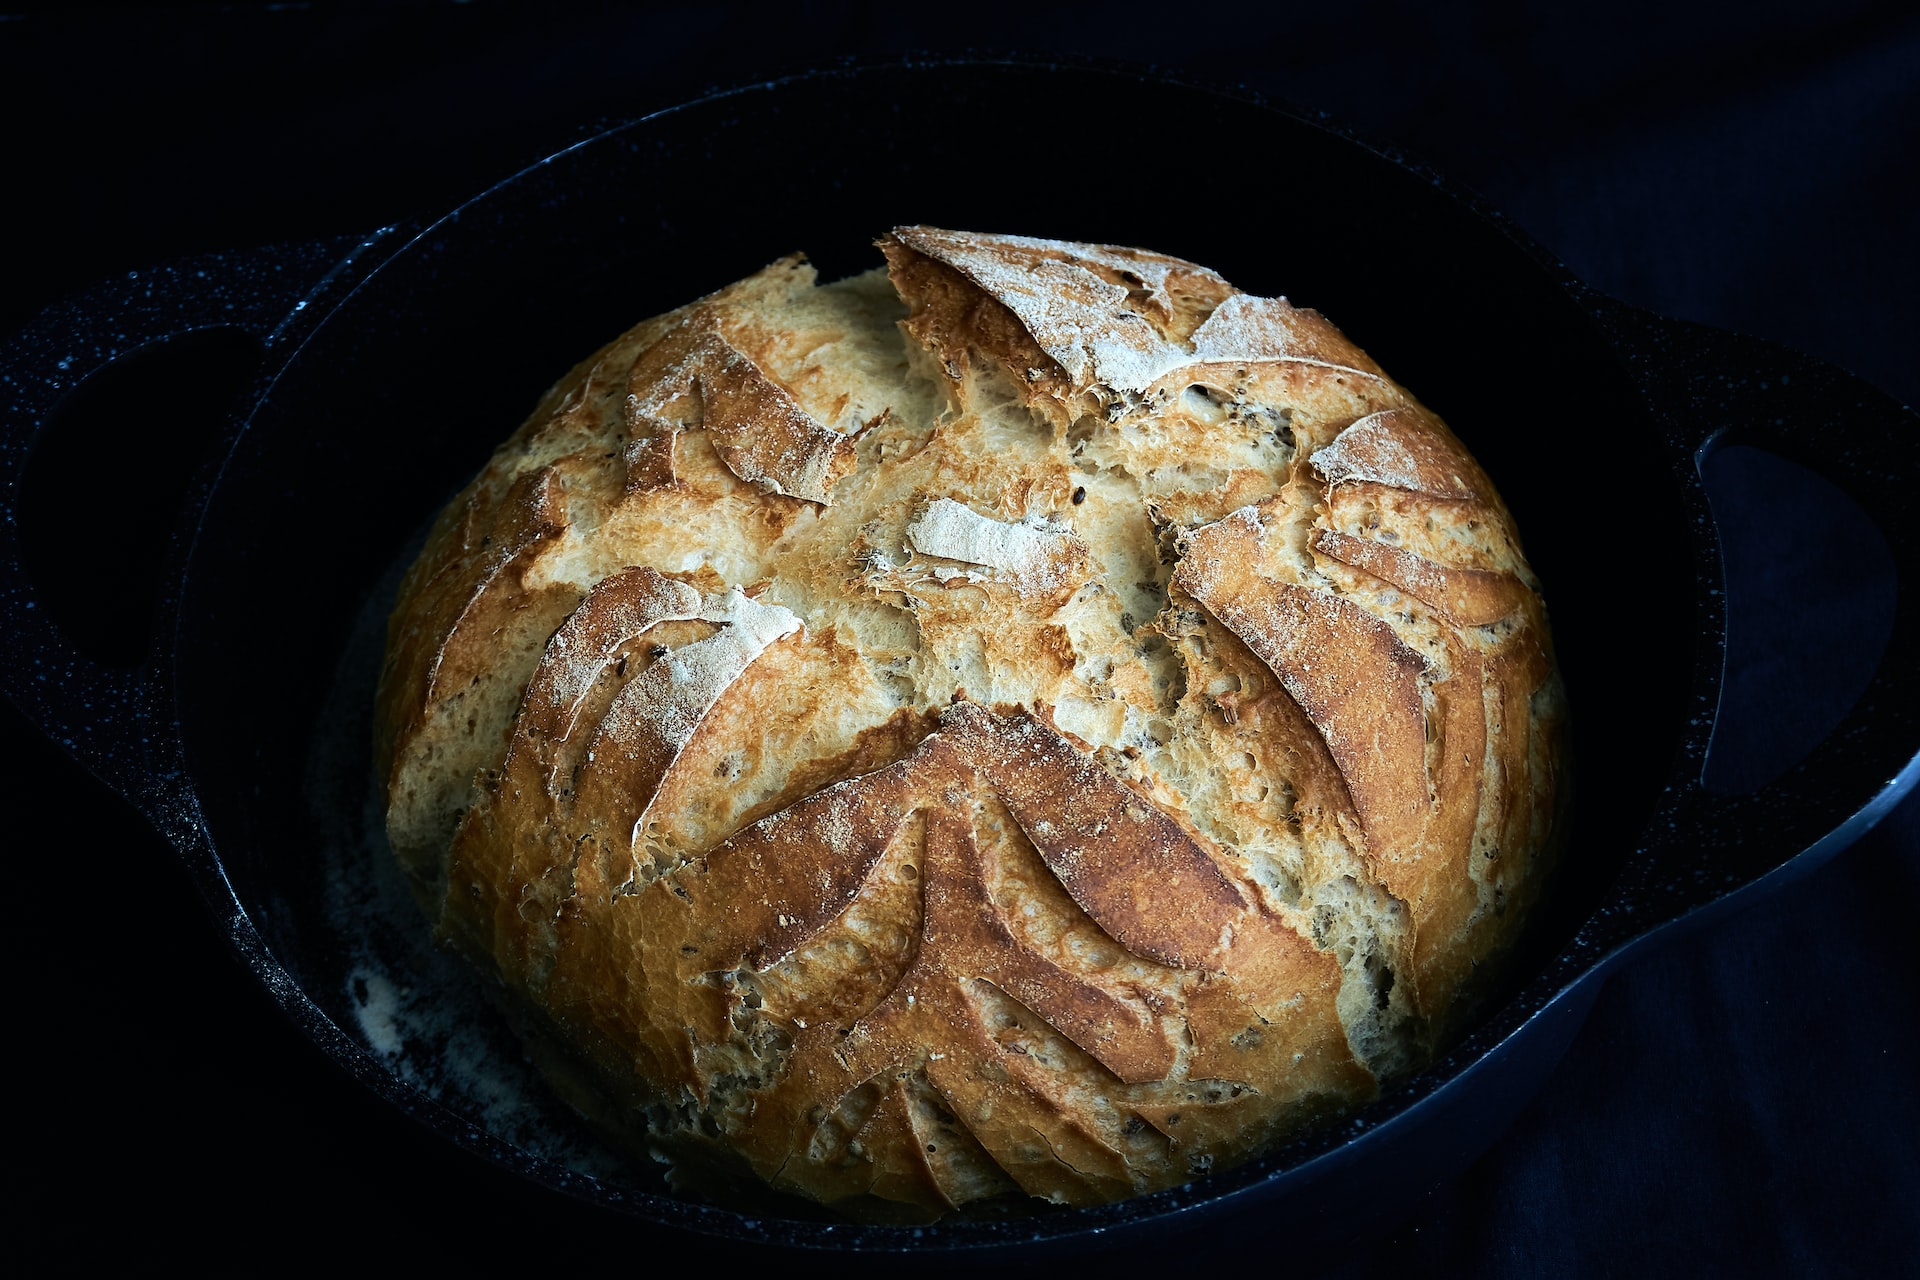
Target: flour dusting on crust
(1035, 552)
(1037, 724)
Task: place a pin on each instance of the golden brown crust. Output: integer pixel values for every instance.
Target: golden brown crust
(650, 462)
(1245, 329)
(951, 319)
(1403, 449)
(468, 587)
(1106, 316)
(757, 427)
(1130, 866)
(510, 850)
(1357, 681)
(1056, 778)
(1468, 597)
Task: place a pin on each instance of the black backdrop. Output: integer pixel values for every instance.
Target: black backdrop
(1743, 1101)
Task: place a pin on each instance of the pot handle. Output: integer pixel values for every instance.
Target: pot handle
(119, 721)
(1710, 387)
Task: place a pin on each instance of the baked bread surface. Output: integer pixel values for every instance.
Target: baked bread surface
(1033, 722)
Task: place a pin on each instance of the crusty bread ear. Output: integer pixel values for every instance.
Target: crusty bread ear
(1036, 722)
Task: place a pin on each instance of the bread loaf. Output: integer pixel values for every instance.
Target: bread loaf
(1034, 721)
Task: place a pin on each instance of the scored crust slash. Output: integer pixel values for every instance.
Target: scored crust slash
(1030, 723)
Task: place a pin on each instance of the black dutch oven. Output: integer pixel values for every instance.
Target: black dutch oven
(391, 365)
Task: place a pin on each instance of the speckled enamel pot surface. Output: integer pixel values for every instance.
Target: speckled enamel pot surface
(392, 364)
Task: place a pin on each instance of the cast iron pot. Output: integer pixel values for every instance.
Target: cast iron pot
(390, 365)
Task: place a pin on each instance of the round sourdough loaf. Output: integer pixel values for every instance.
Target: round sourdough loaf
(1032, 721)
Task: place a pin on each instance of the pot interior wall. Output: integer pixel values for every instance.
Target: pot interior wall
(402, 393)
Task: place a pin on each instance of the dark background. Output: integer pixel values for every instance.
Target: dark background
(1743, 1100)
